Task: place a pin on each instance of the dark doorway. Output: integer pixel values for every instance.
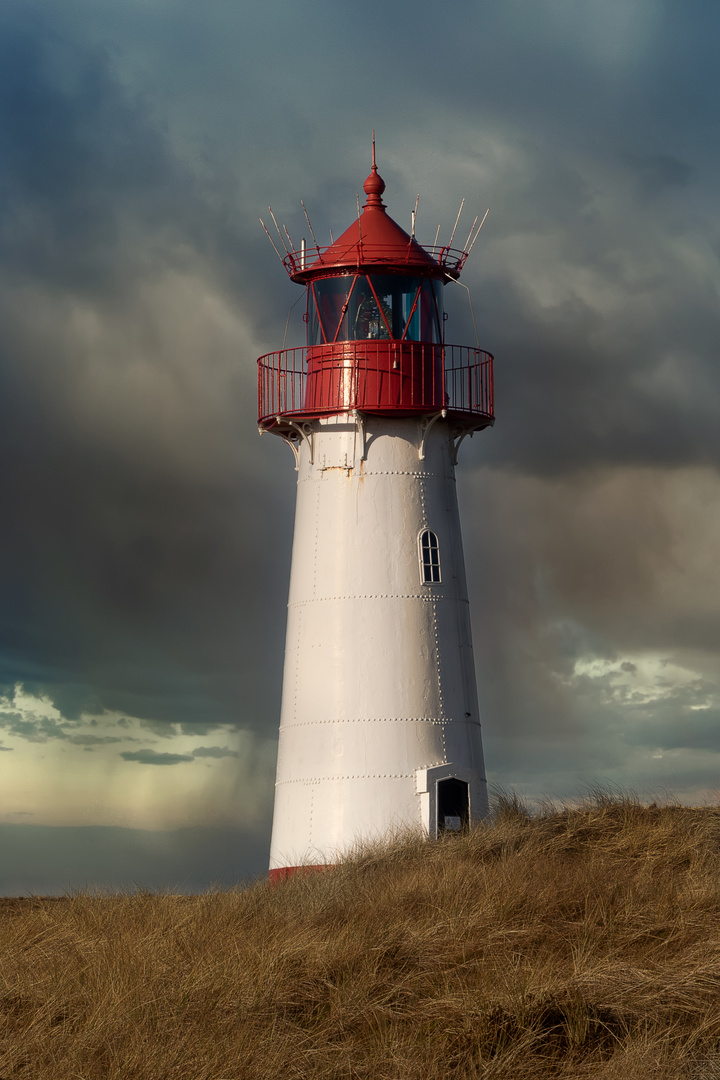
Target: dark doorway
(453, 805)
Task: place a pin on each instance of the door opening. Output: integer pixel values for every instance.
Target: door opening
(453, 805)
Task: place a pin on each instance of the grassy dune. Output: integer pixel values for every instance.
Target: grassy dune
(576, 943)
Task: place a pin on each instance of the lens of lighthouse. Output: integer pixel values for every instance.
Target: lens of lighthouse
(357, 307)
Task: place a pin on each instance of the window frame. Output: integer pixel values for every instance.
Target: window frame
(429, 567)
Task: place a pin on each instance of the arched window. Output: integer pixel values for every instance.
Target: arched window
(429, 558)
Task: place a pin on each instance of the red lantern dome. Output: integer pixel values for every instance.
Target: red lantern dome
(373, 241)
(375, 330)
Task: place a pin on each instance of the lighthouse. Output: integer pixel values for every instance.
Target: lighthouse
(380, 727)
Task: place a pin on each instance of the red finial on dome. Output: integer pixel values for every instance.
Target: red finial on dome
(374, 185)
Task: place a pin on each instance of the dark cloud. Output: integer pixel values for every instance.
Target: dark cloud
(41, 729)
(91, 741)
(124, 488)
(145, 541)
(152, 757)
(663, 171)
(214, 752)
(33, 728)
(667, 727)
(82, 167)
(601, 567)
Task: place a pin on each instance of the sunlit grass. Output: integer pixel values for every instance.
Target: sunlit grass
(572, 942)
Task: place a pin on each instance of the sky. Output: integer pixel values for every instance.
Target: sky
(145, 527)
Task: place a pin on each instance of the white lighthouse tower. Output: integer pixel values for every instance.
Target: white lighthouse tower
(380, 726)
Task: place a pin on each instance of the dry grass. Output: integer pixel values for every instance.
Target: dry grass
(577, 943)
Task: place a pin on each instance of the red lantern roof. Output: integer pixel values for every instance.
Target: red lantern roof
(375, 242)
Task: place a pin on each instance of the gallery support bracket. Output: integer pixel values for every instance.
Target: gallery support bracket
(293, 433)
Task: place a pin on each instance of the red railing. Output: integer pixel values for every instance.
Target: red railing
(362, 253)
(384, 377)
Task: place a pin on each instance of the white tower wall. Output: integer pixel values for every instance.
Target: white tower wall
(379, 694)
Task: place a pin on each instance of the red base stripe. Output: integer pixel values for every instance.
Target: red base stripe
(282, 873)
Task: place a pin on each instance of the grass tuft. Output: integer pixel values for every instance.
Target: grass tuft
(572, 942)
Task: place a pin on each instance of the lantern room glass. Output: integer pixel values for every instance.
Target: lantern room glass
(361, 307)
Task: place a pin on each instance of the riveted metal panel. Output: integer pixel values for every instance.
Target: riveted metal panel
(379, 676)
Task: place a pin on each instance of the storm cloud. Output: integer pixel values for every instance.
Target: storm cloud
(146, 529)
(152, 757)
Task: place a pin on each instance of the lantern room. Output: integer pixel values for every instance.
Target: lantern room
(375, 330)
(374, 307)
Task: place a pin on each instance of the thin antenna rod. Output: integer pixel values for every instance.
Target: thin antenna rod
(331, 236)
(357, 196)
(479, 228)
(437, 233)
(278, 229)
(287, 321)
(471, 232)
(464, 286)
(414, 215)
(292, 246)
(310, 226)
(452, 234)
(374, 166)
(272, 241)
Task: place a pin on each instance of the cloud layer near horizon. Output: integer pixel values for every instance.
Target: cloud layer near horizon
(145, 541)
